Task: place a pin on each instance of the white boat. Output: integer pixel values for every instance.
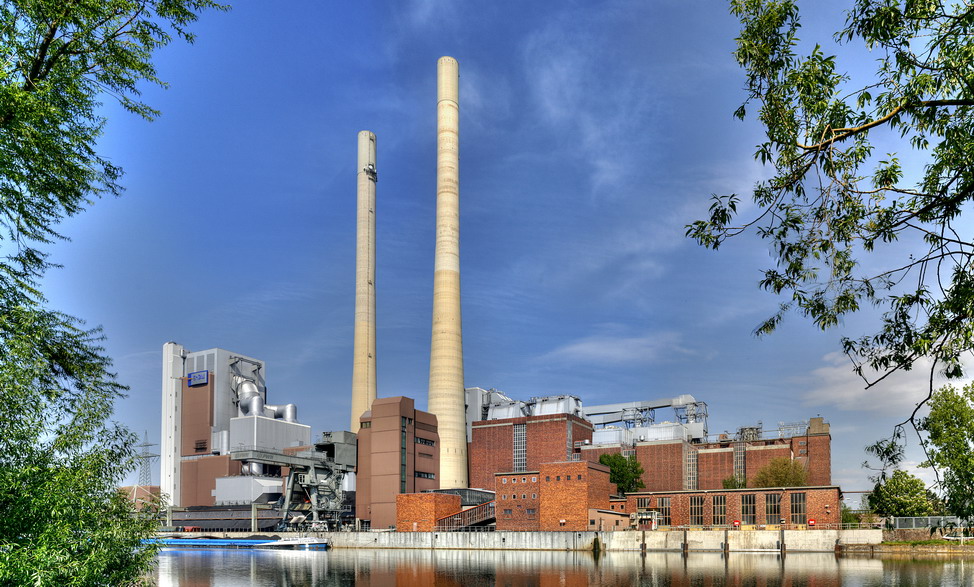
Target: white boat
(301, 543)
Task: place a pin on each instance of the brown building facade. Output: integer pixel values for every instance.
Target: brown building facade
(523, 444)
(398, 452)
(199, 473)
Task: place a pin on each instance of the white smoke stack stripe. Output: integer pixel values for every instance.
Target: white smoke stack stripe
(446, 397)
(363, 361)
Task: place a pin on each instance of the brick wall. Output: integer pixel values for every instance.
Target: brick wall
(819, 458)
(757, 456)
(662, 463)
(418, 512)
(713, 466)
(568, 491)
(546, 441)
(518, 500)
(592, 453)
(491, 450)
(821, 505)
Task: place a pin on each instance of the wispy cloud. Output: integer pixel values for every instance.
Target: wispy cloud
(614, 349)
(563, 63)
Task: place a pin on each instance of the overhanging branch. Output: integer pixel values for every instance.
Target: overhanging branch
(844, 133)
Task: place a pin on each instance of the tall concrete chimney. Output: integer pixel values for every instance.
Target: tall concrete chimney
(446, 397)
(363, 362)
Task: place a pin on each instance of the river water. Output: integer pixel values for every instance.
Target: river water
(465, 568)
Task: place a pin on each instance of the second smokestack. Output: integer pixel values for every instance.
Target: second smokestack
(446, 398)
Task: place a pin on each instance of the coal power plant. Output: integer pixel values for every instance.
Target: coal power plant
(235, 458)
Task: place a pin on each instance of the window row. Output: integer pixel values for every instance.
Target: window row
(523, 496)
(749, 510)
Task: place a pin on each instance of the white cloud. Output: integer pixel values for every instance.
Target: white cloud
(837, 385)
(615, 349)
(425, 14)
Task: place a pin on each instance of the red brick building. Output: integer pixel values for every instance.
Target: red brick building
(796, 506)
(418, 512)
(523, 444)
(398, 452)
(673, 465)
(568, 496)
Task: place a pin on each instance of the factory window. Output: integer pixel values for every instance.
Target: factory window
(558, 478)
(591, 522)
(524, 479)
(643, 502)
(802, 451)
(425, 441)
(520, 447)
(200, 446)
(696, 510)
(798, 508)
(504, 497)
(547, 478)
(504, 480)
(748, 509)
(801, 443)
(422, 475)
(513, 479)
(365, 425)
(663, 507)
(720, 510)
(508, 512)
(534, 479)
(524, 496)
(534, 496)
(772, 508)
(531, 511)
(579, 477)
(514, 496)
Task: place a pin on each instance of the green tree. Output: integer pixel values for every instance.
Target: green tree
(625, 472)
(831, 200)
(781, 472)
(61, 459)
(734, 482)
(901, 494)
(950, 447)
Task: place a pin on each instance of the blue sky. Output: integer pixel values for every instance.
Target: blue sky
(591, 133)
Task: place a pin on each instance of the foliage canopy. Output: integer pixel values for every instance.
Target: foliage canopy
(832, 200)
(950, 447)
(625, 472)
(901, 495)
(781, 472)
(61, 460)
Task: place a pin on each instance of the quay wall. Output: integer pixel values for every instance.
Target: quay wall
(650, 541)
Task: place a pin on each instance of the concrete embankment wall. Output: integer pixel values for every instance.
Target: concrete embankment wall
(736, 541)
(678, 540)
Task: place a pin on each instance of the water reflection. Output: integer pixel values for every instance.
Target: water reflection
(464, 568)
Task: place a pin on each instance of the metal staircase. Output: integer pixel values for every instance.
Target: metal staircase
(477, 515)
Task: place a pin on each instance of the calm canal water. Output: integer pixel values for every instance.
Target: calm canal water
(226, 568)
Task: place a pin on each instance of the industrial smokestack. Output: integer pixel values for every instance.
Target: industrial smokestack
(446, 397)
(363, 362)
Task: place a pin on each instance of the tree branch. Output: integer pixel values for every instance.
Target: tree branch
(848, 132)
